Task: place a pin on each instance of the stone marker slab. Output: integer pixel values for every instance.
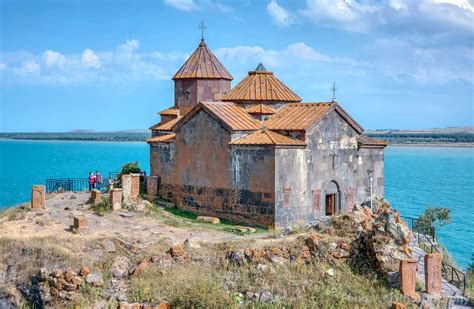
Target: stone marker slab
(38, 197)
(210, 220)
(80, 222)
(115, 198)
(152, 185)
(131, 188)
(408, 278)
(96, 197)
(433, 273)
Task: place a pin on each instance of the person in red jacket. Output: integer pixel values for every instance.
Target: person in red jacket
(91, 181)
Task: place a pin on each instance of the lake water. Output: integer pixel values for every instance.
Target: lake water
(415, 178)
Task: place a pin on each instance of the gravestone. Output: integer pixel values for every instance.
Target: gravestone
(96, 197)
(38, 196)
(80, 222)
(152, 186)
(115, 198)
(433, 273)
(408, 278)
(131, 188)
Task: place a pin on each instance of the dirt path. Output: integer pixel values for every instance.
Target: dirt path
(60, 210)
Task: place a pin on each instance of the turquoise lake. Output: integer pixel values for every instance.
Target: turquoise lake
(415, 178)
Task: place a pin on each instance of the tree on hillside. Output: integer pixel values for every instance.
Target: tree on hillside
(437, 215)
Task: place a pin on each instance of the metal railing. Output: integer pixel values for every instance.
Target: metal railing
(425, 232)
(75, 184)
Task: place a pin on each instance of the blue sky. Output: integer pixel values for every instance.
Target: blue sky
(107, 65)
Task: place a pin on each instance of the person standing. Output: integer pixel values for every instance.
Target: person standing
(91, 181)
(98, 180)
(111, 183)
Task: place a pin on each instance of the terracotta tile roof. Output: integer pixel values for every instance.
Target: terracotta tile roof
(364, 140)
(302, 116)
(203, 64)
(167, 138)
(298, 116)
(261, 109)
(261, 85)
(170, 112)
(230, 115)
(267, 138)
(166, 126)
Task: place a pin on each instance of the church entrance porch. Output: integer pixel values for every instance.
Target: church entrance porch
(330, 204)
(332, 198)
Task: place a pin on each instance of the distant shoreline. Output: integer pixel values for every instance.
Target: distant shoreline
(454, 144)
(70, 140)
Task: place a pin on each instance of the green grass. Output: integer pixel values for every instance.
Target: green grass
(183, 218)
(103, 208)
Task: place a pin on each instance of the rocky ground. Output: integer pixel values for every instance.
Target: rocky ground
(151, 258)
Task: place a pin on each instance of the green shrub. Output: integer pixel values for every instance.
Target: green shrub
(103, 208)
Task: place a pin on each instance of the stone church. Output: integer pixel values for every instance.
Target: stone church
(254, 153)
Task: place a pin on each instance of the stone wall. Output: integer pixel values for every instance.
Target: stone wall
(198, 90)
(331, 163)
(200, 172)
(255, 208)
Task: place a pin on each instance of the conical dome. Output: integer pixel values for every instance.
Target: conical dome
(261, 85)
(202, 64)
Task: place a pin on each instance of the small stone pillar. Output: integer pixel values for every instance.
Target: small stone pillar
(408, 278)
(115, 198)
(152, 185)
(38, 196)
(131, 188)
(80, 222)
(433, 273)
(96, 197)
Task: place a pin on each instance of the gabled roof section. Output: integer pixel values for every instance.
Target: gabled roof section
(170, 112)
(261, 85)
(298, 116)
(230, 115)
(370, 142)
(165, 126)
(302, 116)
(267, 138)
(203, 64)
(261, 109)
(167, 138)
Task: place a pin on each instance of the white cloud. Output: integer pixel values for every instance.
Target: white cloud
(423, 16)
(305, 52)
(184, 5)
(52, 58)
(281, 16)
(123, 63)
(90, 59)
(28, 68)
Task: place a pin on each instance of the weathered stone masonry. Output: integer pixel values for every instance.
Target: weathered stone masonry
(260, 157)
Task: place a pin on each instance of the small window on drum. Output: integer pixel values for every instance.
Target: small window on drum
(186, 94)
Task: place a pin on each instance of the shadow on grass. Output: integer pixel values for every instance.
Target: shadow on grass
(183, 218)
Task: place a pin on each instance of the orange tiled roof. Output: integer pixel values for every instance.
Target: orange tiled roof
(267, 138)
(165, 126)
(167, 138)
(230, 115)
(364, 140)
(203, 64)
(298, 116)
(261, 109)
(170, 112)
(261, 85)
(301, 116)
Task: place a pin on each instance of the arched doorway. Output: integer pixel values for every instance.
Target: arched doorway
(332, 198)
